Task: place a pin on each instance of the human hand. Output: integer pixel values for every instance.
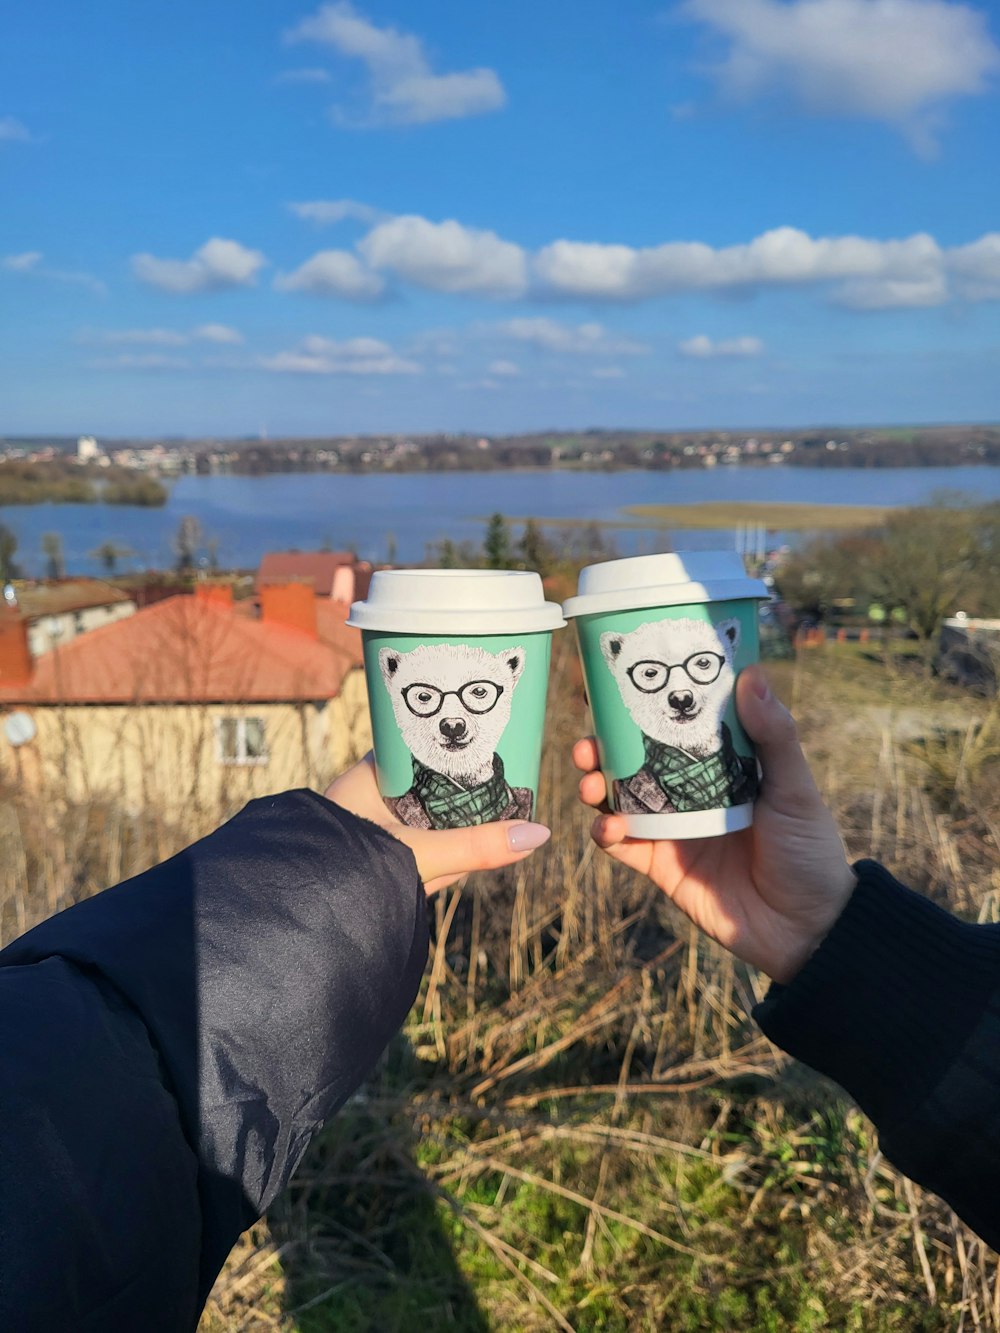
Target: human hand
(769, 893)
(442, 855)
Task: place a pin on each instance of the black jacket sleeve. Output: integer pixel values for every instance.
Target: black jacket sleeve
(168, 1049)
(901, 1006)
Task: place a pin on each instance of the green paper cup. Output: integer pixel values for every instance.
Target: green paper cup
(663, 638)
(457, 666)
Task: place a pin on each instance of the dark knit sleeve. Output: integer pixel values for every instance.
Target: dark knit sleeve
(169, 1048)
(901, 1006)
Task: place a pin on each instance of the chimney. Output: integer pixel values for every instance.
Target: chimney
(219, 594)
(290, 604)
(15, 656)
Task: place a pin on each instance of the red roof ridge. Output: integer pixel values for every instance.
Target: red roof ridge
(235, 649)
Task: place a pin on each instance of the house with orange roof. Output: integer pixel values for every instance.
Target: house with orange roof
(190, 703)
(337, 576)
(58, 610)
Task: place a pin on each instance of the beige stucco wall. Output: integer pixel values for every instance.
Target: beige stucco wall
(167, 755)
(56, 631)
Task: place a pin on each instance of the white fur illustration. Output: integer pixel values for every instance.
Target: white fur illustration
(674, 708)
(456, 740)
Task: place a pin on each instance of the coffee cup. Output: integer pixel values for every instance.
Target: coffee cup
(662, 639)
(457, 666)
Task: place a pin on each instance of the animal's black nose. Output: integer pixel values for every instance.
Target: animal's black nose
(681, 700)
(452, 727)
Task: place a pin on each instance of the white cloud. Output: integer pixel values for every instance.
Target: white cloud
(404, 88)
(423, 98)
(316, 355)
(784, 256)
(137, 337)
(894, 293)
(326, 212)
(576, 339)
(504, 369)
(30, 265)
(303, 76)
(703, 347)
(23, 263)
(159, 337)
(439, 343)
(897, 61)
(595, 269)
(364, 347)
(13, 131)
(446, 256)
(333, 273)
(607, 373)
(218, 333)
(859, 272)
(140, 361)
(218, 264)
(976, 268)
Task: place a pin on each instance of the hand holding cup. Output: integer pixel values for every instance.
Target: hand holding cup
(442, 856)
(770, 893)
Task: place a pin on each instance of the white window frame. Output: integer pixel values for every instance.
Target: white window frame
(241, 759)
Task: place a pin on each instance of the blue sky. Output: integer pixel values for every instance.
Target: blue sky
(231, 218)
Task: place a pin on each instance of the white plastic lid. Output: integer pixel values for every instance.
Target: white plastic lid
(456, 601)
(672, 579)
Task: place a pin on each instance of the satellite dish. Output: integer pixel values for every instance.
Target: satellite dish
(19, 728)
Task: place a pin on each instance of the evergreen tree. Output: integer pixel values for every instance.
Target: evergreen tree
(52, 548)
(496, 544)
(186, 542)
(535, 551)
(8, 545)
(108, 554)
(447, 555)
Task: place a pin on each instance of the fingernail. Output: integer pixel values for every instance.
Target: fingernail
(760, 686)
(526, 837)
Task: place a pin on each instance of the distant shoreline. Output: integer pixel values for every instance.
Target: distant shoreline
(776, 516)
(399, 517)
(667, 452)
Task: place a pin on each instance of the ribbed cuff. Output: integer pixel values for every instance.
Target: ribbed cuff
(887, 1001)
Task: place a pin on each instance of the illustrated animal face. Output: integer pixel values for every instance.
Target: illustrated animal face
(675, 678)
(452, 703)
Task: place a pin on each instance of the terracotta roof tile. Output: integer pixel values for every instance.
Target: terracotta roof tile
(317, 568)
(185, 650)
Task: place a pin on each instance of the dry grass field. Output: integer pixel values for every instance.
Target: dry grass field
(580, 1127)
(775, 515)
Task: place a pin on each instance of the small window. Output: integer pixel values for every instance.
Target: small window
(241, 740)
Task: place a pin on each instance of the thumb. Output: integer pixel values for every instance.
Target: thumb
(459, 851)
(789, 781)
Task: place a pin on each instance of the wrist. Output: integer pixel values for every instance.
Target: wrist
(835, 896)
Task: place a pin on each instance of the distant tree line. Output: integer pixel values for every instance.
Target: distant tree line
(65, 482)
(128, 488)
(34, 483)
(920, 566)
(559, 551)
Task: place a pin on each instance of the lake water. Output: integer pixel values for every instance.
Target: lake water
(374, 514)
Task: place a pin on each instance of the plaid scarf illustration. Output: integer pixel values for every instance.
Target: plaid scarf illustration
(451, 806)
(720, 779)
